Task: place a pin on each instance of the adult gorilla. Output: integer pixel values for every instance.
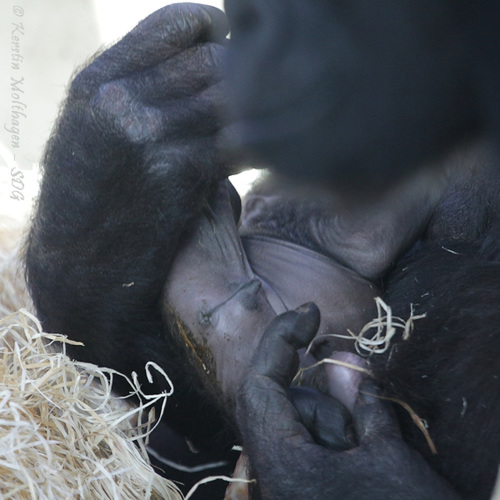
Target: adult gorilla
(357, 95)
(360, 93)
(132, 199)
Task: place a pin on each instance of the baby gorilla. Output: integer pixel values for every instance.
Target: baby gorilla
(231, 277)
(225, 286)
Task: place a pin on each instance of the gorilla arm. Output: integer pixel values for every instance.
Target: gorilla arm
(279, 445)
(125, 171)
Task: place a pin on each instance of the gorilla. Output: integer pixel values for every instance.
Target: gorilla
(136, 250)
(360, 92)
(372, 93)
(446, 371)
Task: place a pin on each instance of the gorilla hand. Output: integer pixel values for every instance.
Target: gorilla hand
(129, 162)
(289, 462)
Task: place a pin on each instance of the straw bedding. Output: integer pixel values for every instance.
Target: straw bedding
(62, 432)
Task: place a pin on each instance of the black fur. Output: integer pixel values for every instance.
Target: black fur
(126, 170)
(133, 160)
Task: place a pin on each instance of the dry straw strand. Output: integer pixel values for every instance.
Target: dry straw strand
(62, 432)
(385, 326)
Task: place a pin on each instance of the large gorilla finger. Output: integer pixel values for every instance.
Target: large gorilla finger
(278, 443)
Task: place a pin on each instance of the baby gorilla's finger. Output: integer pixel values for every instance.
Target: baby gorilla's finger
(325, 418)
(160, 36)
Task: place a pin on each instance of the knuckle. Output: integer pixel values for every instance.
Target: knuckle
(115, 105)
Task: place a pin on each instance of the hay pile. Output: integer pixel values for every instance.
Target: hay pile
(62, 433)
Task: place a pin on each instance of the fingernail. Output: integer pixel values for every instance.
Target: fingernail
(306, 308)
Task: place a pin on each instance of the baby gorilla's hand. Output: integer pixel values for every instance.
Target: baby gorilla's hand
(293, 452)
